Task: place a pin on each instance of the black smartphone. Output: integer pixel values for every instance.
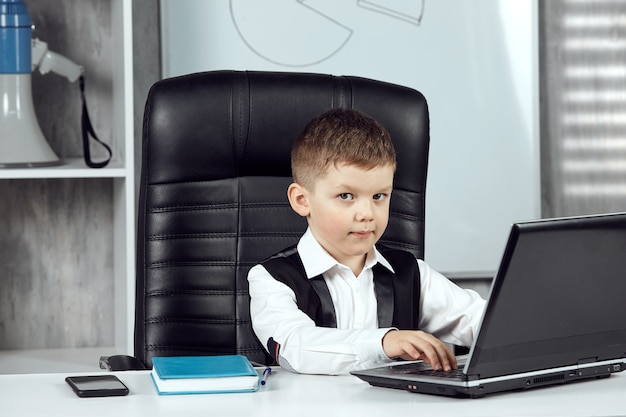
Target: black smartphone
(97, 386)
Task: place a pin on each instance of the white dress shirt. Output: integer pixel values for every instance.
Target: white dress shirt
(450, 313)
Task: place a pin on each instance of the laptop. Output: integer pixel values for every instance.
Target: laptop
(556, 313)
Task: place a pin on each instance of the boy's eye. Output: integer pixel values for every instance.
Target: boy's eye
(345, 196)
(380, 196)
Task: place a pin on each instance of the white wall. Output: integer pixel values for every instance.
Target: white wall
(475, 61)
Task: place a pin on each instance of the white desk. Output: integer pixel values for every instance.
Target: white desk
(304, 395)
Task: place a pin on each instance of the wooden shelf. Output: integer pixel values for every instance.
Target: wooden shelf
(70, 168)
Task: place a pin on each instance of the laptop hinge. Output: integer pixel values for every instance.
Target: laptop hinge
(587, 360)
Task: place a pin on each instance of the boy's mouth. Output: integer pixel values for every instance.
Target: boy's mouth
(363, 233)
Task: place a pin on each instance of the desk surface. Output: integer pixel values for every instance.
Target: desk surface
(289, 394)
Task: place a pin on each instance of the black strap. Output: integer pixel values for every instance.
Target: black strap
(328, 318)
(406, 288)
(312, 296)
(88, 130)
(383, 288)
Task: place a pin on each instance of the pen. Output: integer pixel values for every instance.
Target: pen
(266, 374)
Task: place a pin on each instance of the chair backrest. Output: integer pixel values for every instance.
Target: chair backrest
(213, 202)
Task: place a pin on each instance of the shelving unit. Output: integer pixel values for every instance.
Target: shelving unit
(121, 172)
(124, 189)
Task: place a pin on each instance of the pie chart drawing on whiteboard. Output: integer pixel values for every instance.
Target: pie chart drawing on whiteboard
(296, 34)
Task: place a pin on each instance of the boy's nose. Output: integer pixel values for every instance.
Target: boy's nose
(364, 212)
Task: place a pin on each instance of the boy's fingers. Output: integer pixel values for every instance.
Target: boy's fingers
(413, 345)
(446, 357)
(437, 354)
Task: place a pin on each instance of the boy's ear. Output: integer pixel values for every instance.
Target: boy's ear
(298, 198)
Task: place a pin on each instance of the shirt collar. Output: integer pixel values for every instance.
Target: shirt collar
(317, 261)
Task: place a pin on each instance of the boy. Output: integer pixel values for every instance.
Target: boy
(317, 307)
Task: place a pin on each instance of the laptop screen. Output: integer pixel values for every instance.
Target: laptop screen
(558, 297)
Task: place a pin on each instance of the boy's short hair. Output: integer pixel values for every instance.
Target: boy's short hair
(336, 137)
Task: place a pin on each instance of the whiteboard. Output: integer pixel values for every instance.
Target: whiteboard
(475, 61)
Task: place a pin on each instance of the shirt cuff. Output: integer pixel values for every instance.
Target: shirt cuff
(370, 350)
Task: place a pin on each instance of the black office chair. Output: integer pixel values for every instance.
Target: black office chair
(212, 199)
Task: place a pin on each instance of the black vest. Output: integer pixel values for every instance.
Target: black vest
(397, 295)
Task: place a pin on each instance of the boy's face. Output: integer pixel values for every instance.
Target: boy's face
(348, 210)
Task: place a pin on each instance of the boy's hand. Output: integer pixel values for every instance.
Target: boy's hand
(416, 344)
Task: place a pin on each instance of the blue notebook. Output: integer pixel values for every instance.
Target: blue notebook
(203, 374)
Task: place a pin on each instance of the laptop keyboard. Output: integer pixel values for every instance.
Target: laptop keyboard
(420, 369)
(453, 374)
